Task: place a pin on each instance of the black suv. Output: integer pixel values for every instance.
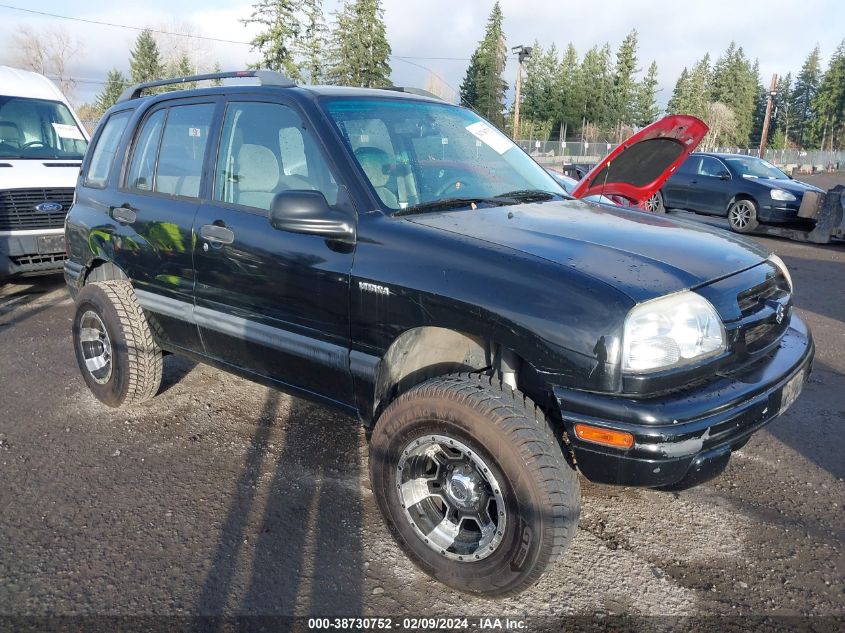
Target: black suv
(398, 257)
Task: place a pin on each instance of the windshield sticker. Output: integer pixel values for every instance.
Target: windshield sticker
(491, 137)
(68, 131)
(194, 131)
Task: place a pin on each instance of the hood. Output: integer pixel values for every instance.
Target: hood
(792, 186)
(644, 255)
(637, 168)
(38, 173)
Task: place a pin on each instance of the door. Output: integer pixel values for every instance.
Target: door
(272, 302)
(709, 189)
(155, 209)
(676, 188)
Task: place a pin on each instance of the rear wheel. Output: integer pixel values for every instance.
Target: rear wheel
(115, 350)
(655, 203)
(742, 216)
(473, 484)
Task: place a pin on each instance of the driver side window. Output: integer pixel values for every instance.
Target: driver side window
(266, 149)
(710, 166)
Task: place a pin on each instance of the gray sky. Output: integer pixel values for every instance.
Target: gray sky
(779, 32)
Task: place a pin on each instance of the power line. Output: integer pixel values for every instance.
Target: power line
(197, 37)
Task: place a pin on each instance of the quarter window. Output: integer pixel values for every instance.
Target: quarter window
(710, 166)
(104, 151)
(265, 149)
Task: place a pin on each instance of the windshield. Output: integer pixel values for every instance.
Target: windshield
(38, 129)
(420, 155)
(750, 167)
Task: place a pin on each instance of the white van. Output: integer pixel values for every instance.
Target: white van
(41, 147)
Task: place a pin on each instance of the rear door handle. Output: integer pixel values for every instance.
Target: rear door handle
(216, 233)
(124, 214)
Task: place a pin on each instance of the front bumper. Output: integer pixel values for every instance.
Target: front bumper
(23, 253)
(684, 438)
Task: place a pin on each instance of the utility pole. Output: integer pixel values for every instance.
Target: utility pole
(764, 136)
(522, 53)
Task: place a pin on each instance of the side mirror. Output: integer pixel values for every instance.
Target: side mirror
(724, 175)
(303, 211)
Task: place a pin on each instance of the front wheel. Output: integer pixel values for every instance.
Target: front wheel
(742, 216)
(473, 484)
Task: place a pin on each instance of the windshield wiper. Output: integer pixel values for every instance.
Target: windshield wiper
(530, 195)
(453, 203)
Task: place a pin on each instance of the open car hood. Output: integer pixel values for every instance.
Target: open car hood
(637, 168)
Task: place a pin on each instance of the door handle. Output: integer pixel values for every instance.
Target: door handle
(216, 233)
(123, 214)
(693, 182)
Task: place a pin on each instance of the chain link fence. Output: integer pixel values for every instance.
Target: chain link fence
(558, 153)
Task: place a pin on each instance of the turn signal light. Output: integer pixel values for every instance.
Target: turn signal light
(607, 437)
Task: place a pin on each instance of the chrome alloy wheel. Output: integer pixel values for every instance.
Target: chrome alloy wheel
(653, 203)
(95, 346)
(451, 498)
(741, 214)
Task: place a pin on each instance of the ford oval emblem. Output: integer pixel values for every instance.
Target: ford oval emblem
(49, 207)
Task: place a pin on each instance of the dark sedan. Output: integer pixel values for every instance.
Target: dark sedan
(746, 189)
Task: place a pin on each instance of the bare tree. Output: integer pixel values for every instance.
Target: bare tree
(47, 51)
(721, 120)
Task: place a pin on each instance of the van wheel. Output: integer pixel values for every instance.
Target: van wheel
(742, 216)
(116, 353)
(473, 484)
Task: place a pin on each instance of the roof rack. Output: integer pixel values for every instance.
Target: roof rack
(414, 91)
(265, 78)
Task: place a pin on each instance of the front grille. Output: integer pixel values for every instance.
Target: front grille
(17, 208)
(34, 260)
(759, 307)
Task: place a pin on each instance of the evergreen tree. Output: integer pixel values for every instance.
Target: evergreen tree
(829, 104)
(311, 46)
(680, 101)
(115, 84)
(646, 109)
(144, 59)
(569, 91)
(622, 107)
(539, 87)
(734, 83)
(782, 109)
(181, 68)
(216, 69)
(803, 94)
(597, 77)
(359, 49)
(759, 118)
(701, 80)
(484, 86)
(279, 35)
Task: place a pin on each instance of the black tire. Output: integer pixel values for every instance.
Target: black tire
(655, 204)
(134, 359)
(541, 493)
(742, 215)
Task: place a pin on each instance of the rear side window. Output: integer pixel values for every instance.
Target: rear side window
(102, 157)
(142, 167)
(182, 150)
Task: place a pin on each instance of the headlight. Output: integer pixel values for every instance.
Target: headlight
(780, 194)
(671, 332)
(777, 261)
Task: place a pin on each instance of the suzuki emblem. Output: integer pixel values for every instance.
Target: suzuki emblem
(49, 207)
(779, 314)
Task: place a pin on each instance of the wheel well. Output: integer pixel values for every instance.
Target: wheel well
(743, 196)
(102, 270)
(426, 352)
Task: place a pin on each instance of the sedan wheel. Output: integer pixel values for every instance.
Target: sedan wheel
(742, 216)
(655, 203)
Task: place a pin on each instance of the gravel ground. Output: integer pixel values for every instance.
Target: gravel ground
(221, 497)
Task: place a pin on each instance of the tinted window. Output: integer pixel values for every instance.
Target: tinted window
(142, 167)
(103, 153)
(265, 149)
(710, 166)
(182, 150)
